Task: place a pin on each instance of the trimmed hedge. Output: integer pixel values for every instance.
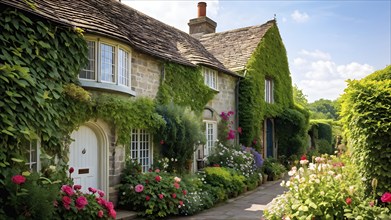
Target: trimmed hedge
(366, 107)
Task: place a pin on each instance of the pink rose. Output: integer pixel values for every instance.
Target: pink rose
(109, 205)
(71, 170)
(101, 193)
(18, 179)
(161, 196)
(158, 178)
(348, 201)
(76, 187)
(91, 189)
(101, 201)
(176, 185)
(147, 198)
(157, 170)
(139, 188)
(184, 192)
(177, 179)
(81, 202)
(100, 214)
(239, 130)
(113, 213)
(181, 203)
(66, 201)
(173, 195)
(67, 189)
(386, 197)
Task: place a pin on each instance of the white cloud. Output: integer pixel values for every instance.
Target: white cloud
(320, 77)
(174, 13)
(300, 17)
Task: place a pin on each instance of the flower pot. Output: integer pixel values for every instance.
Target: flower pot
(265, 176)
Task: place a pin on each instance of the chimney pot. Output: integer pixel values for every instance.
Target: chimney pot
(201, 9)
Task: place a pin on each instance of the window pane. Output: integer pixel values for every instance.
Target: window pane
(123, 67)
(107, 65)
(89, 71)
(141, 143)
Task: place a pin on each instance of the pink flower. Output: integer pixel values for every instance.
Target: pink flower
(173, 195)
(176, 185)
(77, 187)
(177, 179)
(100, 214)
(231, 135)
(55, 203)
(386, 197)
(158, 178)
(91, 189)
(71, 170)
(184, 192)
(109, 205)
(161, 196)
(371, 203)
(147, 198)
(239, 130)
(181, 203)
(67, 189)
(101, 201)
(18, 179)
(348, 201)
(157, 170)
(101, 193)
(113, 213)
(161, 142)
(81, 202)
(139, 188)
(66, 201)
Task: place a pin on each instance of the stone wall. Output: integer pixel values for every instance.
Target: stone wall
(225, 99)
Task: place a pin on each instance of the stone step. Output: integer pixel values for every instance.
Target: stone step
(125, 215)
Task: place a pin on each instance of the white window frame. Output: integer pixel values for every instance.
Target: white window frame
(141, 148)
(97, 67)
(269, 91)
(210, 78)
(30, 148)
(211, 137)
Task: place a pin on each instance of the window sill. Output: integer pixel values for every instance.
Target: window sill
(107, 86)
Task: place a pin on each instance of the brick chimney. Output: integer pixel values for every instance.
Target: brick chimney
(202, 24)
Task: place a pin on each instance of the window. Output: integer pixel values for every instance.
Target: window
(269, 96)
(32, 155)
(210, 78)
(108, 67)
(211, 133)
(141, 148)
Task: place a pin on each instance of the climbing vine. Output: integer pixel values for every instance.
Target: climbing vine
(269, 61)
(184, 86)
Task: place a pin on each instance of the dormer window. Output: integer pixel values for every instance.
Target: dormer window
(269, 93)
(210, 77)
(108, 67)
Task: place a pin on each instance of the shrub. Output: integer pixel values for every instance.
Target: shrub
(225, 178)
(324, 147)
(272, 168)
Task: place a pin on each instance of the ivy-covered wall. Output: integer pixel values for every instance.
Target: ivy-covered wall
(269, 60)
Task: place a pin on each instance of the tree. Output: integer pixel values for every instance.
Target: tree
(324, 109)
(299, 97)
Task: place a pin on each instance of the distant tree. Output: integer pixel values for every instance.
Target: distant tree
(299, 97)
(324, 109)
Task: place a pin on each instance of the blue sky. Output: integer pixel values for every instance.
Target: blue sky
(327, 42)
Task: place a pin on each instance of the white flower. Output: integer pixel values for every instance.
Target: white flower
(317, 181)
(288, 183)
(294, 168)
(303, 162)
(337, 177)
(282, 183)
(331, 173)
(177, 179)
(292, 172)
(312, 166)
(301, 170)
(302, 180)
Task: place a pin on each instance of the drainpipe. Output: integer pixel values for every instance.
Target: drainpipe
(237, 102)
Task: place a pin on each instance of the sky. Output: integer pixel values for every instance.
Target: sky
(327, 42)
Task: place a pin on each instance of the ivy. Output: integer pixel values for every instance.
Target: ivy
(38, 60)
(366, 106)
(269, 60)
(184, 86)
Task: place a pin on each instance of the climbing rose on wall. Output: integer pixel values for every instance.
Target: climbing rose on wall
(139, 188)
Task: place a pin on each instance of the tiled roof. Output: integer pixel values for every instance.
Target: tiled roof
(116, 20)
(234, 48)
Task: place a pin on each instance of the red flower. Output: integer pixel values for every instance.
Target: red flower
(76, 187)
(91, 189)
(101, 193)
(348, 201)
(66, 201)
(304, 157)
(113, 213)
(100, 214)
(109, 205)
(239, 130)
(150, 170)
(181, 203)
(101, 201)
(71, 170)
(147, 198)
(158, 178)
(67, 189)
(161, 142)
(173, 195)
(81, 202)
(176, 185)
(146, 181)
(18, 179)
(386, 197)
(184, 192)
(161, 196)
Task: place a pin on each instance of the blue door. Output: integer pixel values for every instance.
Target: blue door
(269, 138)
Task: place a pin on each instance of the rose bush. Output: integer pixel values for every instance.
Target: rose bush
(326, 188)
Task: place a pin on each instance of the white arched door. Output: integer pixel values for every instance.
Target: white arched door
(84, 156)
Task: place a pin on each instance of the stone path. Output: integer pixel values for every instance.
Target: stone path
(246, 206)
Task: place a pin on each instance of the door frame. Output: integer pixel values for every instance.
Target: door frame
(103, 155)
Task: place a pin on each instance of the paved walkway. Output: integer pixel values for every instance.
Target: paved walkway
(246, 206)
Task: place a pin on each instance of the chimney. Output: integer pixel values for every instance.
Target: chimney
(202, 24)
